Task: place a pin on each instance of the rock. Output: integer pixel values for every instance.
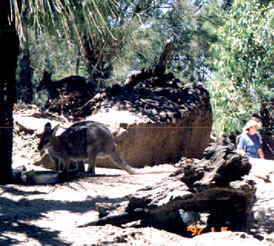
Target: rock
(27, 124)
(31, 125)
(154, 119)
(153, 130)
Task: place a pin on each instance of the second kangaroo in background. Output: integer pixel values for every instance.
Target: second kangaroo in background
(81, 141)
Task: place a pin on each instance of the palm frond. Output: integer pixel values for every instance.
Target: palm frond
(68, 17)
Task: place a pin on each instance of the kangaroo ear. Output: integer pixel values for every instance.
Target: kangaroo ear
(54, 130)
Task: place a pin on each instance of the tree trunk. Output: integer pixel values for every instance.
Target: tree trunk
(25, 77)
(98, 69)
(166, 55)
(9, 49)
(78, 59)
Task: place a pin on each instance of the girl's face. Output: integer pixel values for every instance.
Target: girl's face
(252, 130)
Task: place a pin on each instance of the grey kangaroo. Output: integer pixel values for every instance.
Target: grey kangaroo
(65, 85)
(81, 141)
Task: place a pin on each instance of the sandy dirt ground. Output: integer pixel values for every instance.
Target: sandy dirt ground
(34, 215)
(51, 214)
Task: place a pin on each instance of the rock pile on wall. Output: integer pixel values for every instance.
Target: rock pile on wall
(154, 118)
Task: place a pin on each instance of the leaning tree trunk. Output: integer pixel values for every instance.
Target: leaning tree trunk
(98, 69)
(9, 49)
(25, 78)
(26, 73)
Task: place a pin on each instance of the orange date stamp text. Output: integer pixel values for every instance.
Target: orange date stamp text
(197, 230)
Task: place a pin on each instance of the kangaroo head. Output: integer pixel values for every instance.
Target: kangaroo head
(45, 82)
(48, 137)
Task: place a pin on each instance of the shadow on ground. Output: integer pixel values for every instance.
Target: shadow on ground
(17, 215)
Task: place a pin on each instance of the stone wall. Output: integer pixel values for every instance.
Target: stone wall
(155, 122)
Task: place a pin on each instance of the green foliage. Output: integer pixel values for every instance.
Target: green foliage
(192, 30)
(56, 56)
(232, 45)
(69, 18)
(60, 57)
(231, 109)
(244, 61)
(100, 29)
(130, 36)
(143, 50)
(180, 21)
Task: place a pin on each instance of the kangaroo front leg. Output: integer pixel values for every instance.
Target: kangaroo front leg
(59, 165)
(66, 166)
(78, 166)
(81, 166)
(121, 163)
(56, 162)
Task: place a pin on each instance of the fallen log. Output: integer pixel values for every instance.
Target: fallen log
(225, 166)
(117, 220)
(210, 201)
(160, 205)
